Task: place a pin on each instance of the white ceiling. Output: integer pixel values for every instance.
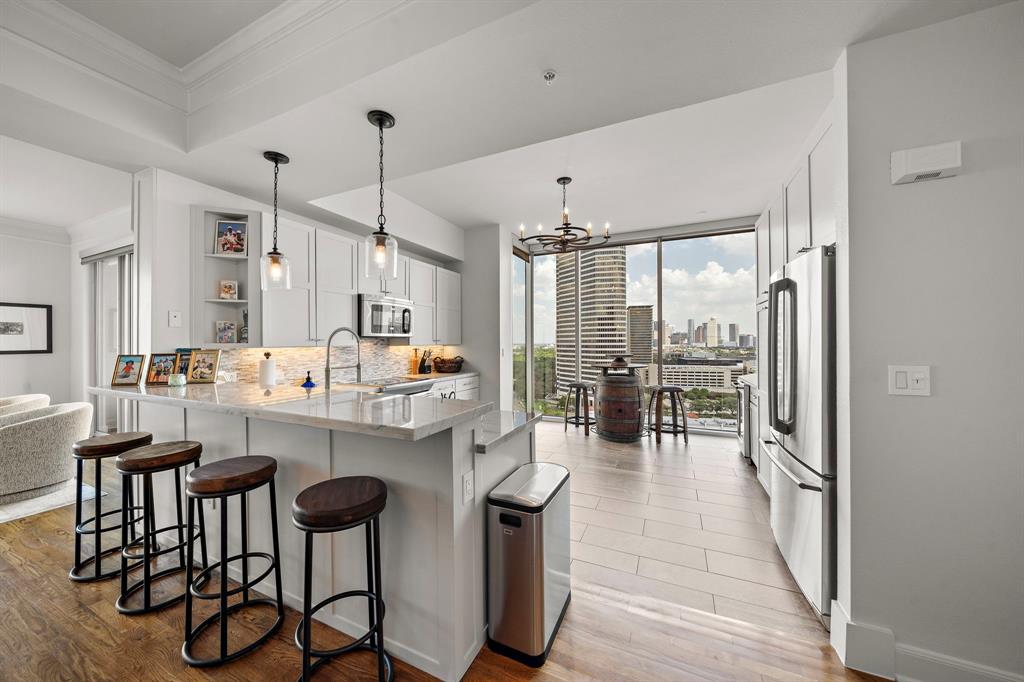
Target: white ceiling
(177, 31)
(710, 161)
(46, 187)
(480, 93)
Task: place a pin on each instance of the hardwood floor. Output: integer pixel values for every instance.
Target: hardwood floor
(659, 592)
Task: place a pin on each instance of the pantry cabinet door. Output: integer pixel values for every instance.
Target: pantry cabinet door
(824, 174)
(798, 213)
(336, 282)
(289, 315)
(423, 325)
(422, 283)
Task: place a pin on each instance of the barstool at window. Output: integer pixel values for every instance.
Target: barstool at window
(97, 449)
(144, 462)
(677, 403)
(222, 480)
(328, 507)
(579, 395)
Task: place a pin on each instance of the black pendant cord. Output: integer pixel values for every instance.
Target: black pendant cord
(380, 218)
(276, 170)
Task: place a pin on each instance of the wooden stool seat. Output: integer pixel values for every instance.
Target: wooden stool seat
(112, 444)
(230, 475)
(159, 456)
(339, 502)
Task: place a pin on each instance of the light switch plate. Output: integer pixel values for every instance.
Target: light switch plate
(173, 318)
(467, 487)
(910, 380)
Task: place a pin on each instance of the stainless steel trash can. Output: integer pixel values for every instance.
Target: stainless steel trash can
(528, 561)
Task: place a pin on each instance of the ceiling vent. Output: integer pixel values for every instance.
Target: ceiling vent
(926, 163)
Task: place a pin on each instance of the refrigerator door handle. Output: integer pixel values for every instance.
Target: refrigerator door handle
(788, 286)
(768, 450)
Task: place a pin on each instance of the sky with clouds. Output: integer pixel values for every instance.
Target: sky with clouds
(702, 278)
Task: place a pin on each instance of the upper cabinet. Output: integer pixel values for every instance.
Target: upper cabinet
(776, 234)
(336, 282)
(289, 315)
(761, 238)
(396, 288)
(823, 164)
(798, 212)
(436, 294)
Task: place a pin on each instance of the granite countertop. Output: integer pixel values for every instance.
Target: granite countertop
(354, 411)
(500, 425)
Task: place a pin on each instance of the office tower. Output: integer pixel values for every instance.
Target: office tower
(698, 335)
(714, 333)
(639, 321)
(689, 331)
(734, 332)
(595, 321)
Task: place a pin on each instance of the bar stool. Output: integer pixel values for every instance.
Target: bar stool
(97, 449)
(145, 462)
(327, 507)
(221, 480)
(579, 392)
(675, 399)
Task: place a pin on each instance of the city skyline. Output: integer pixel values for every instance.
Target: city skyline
(702, 278)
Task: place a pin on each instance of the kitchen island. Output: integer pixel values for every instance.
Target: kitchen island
(432, 454)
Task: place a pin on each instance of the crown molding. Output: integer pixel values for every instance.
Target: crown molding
(39, 232)
(290, 16)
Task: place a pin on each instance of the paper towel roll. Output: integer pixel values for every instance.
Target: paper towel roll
(268, 372)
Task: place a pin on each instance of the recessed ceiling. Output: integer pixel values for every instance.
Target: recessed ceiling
(42, 186)
(710, 161)
(177, 31)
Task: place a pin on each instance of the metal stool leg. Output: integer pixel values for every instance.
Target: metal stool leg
(586, 412)
(126, 512)
(223, 577)
(78, 515)
(177, 505)
(189, 574)
(148, 532)
(567, 396)
(672, 401)
(277, 549)
(245, 547)
(97, 524)
(371, 619)
(378, 603)
(659, 409)
(307, 605)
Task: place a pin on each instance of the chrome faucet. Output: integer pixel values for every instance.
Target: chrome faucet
(359, 362)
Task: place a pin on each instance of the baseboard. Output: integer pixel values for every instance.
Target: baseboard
(874, 650)
(914, 664)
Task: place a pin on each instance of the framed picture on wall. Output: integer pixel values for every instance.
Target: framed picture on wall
(161, 367)
(26, 328)
(202, 369)
(231, 238)
(128, 370)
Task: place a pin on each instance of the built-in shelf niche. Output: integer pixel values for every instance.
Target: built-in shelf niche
(209, 266)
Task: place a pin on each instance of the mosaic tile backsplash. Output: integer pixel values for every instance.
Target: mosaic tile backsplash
(380, 360)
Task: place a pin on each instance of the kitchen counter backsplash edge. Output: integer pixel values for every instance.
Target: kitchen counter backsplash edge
(380, 360)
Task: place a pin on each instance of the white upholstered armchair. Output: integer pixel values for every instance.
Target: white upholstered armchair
(20, 403)
(35, 448)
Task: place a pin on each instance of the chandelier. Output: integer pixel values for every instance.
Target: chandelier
(569, 237)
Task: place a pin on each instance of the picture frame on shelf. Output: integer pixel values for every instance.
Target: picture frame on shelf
(128, 370)
(231, 238)
(228, 290)
(226, 331)
(161, 367)
(202, 367)
(26, 328)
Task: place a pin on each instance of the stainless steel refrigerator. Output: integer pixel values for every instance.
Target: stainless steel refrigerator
(802, 416)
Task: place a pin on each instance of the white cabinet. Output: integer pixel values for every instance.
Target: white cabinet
(762, 346)
(798, 212)
(423, 283)
(336, 282)
(823, 164)
(396, 288)
(761, 239)
(776, 234)
(289, 315)
(436, 294)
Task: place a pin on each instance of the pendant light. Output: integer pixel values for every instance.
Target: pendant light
(380, 252)
(275, 271)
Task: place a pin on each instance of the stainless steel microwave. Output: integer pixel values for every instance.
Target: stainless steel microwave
(382, 316)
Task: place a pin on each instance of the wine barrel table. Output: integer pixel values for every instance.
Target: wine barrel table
(620, 402)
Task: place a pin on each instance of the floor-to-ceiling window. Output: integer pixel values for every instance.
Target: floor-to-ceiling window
(520, 373)
(589, 306)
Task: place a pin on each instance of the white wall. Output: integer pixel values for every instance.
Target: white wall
(33, 269)
(936, 506)
(487, 310)
(103, 232)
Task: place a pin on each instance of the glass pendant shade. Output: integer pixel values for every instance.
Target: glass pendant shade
(380, 256)
(275, 271)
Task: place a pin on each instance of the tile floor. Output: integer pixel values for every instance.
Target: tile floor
(676, 525)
